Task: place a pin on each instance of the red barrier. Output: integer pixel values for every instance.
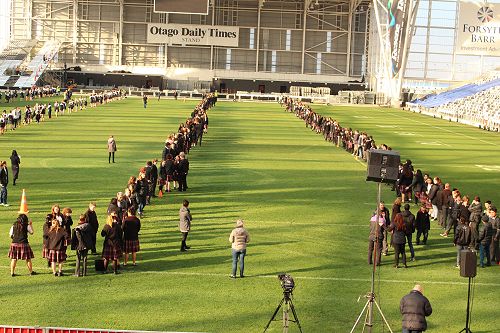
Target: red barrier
(24, 329)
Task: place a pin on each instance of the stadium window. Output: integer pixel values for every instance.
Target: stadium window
(318, 63)
(101, 53)
(328, 41)
(252, 38)
(163, 17)
(228, 59)
(273, 61)
(338, 21)
(288, 43)
(357, 22)
(161, 52)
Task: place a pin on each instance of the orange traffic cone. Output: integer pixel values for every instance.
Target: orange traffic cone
(23, 209)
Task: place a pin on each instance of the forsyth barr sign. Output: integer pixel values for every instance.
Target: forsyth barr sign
(188, 34)
(478, 30)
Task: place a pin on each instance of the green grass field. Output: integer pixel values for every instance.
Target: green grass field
(305, 202)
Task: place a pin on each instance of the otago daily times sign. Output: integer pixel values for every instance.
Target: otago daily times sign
(188, 34)
(478, 30)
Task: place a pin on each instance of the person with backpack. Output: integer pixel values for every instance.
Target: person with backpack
(462, 238)
(82, 241)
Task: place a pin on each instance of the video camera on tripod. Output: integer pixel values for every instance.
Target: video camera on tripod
(287, 283)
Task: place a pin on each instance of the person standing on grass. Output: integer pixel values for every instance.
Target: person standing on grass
(56, 246)
(495, 226)
(83, 242)
(183, 169)
(485, 236)
(415, 307)
(185, 219)
(15, 160)
(131, 228)
(377, 229)
(20, 248)
(4, 181)
(399, 239)
(111, 148)
(239, 238)
(422, 224)
(409, 220)
(91, 218)
(113, 235)
(145, 100)
(462, 238)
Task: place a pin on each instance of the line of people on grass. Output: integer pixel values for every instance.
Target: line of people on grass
(439, 202)
(30, 93)
(121, 231)
(37, 113)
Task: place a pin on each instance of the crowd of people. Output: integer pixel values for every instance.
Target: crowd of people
(120, 232)
(470, 224)
(10, 120)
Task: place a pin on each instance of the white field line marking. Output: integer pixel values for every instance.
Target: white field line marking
(313, 278)
(488, 167)
(387, 126)
(444, 129)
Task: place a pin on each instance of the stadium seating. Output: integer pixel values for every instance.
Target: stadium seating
(38, 64)
(474, 104)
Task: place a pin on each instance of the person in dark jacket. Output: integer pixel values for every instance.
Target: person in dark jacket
(446, 203)
(462, 238)
(409, 220)
(56, 245)
(417, 185)
(398, 239)
(422, 224)
(83, 240)
(454, 214)
(4, 181)
(415, 307)
(67, 220)
(113, 236)
(485, 236)
(131, 228)
(55, 214)
(15, 160)
(475, 220)
(153, 178)
(183, 169)
(495, 226)
(141, 191)
(20, 248)
(432, 190)
(377, 228)
(91, 218)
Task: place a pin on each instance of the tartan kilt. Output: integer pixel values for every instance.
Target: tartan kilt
(132, 246)
(45, 252)
(57, 256)
(20, 251)
(169, 178)
(110, 252)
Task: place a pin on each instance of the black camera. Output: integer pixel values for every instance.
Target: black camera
(287, 282)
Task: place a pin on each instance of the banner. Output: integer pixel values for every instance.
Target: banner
(398, 25)
(478, 30)
(188, 34)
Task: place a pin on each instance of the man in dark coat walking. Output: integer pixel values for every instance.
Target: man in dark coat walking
(415, 307)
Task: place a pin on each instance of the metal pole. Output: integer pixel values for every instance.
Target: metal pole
(258, 38)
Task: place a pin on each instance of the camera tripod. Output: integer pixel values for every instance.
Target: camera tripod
(287, 304)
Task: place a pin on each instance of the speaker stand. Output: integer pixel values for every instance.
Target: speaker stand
(467, 318)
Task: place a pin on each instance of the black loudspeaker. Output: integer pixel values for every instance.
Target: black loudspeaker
(383, 166)
(468, 263)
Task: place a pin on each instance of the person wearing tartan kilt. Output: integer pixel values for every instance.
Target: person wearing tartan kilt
(113, 235)
(20, 248)
(54, 214)
(131, 228)
(57, 239)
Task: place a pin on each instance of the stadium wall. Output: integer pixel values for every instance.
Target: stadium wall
(320, 43)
